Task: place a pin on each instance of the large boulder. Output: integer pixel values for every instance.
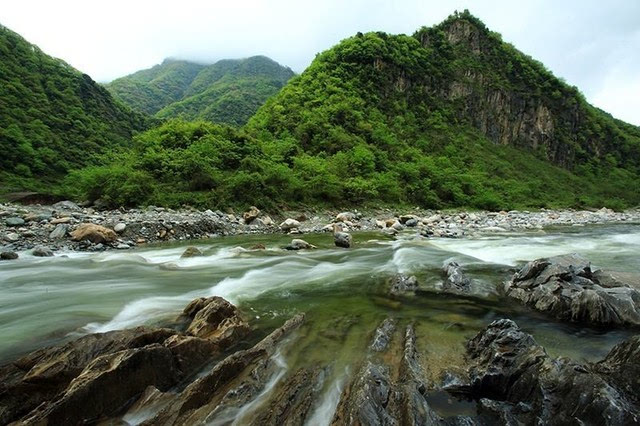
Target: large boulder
(289, 224)
(567, 288)
(515, 381)
(95, 233)
(250, 215)
(217, 320)
(8, 255)
(342, 239)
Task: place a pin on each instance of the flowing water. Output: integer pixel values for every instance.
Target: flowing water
(45, 301)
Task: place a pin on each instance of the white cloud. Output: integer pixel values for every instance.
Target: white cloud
(591, 44)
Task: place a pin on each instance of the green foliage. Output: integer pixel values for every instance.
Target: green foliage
(229, 91)
(52, 117)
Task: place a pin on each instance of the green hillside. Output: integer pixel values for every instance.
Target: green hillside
(229, 91)
(52, 117)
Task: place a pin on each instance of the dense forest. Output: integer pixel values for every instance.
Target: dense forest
(451, 116)
(229, 91)
(52, 117)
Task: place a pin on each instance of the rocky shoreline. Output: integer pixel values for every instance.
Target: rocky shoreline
(45, 229)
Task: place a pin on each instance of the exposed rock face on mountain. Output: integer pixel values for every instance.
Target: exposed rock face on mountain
(228, 91)
(516, 382)
(567, 288)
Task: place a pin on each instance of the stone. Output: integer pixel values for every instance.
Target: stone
(298, 244)
(345, 217)
(456, 281)
(42, 252)
(289, 224)
(94, 233)
(56, 221)
(14, 221)
(66, 205)
(411, 223)
(342, 239)
(11, 237)
(250, 215)
(120, 227)
(567, 288)
(216, 320)
(258, 246)
(122, 246)
(401, 284)
(517, 382)
(191, 251)
(8, 255)
(266, 221)
(59, 232)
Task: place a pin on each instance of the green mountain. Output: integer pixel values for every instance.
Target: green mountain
(449, 117)
(52, 117)
(229, 91)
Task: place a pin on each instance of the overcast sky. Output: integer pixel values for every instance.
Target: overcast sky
(594, 45)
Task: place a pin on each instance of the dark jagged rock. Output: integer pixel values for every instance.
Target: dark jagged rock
(39, 376)
(403, 284)
(456, 281)
(516, 382)
(98, 375)
(567, 288)
(383, 335)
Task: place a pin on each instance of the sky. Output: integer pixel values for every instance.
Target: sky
(594, 45)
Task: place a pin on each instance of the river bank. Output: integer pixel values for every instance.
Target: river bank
(50, 227)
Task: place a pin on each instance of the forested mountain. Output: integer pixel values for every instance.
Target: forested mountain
(52, 117)
(229, 91)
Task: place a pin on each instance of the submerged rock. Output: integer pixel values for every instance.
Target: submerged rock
(567, 288)
(516, 382)
(191, 251)
(456, 281)
(403, 284)
(42, 252)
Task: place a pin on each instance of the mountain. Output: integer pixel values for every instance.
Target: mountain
(52, 117)
(451, 116)
(229, 91)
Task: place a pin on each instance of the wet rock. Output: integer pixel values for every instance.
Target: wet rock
(42, 252)
(217, 320)
(14, 221)
(289, 224)
(39, 376)
(258, 246)
(298, 244)
(120, 227)
(517, 382)
(59, 232)
(567, 288)
(8, 255)
(251, 215)
(403, 284)
(383, 335)
(66, 205)
(94, 233)
(456, 281)
(342, 239)
(191, 251)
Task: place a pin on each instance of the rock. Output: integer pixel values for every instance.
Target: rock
(298, 244)
(266, 220)
(402, 284)
(342, 239)
(66, 205)
(8, 255)
(37, 217)
(12, 237)
(42, 252)
(383, 334)
(122, 246)
(100, 204)
(289, 224)
(411, 223)
(456, 281)
(120, 227)
(517, 382)
(251, 215)
(94, 233)
(59, 232)
(381, 224)
(407, 217)
(397, 226)
(14, 221)
(216, 320)
(258, 246)
(191, 251)
(56, 221)
(345, 217)
(567, 288)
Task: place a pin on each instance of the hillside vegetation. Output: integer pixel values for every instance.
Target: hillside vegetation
(449, 117)
(52, 117)
(229, 91)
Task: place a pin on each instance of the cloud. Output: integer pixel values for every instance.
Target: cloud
(591, 44)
